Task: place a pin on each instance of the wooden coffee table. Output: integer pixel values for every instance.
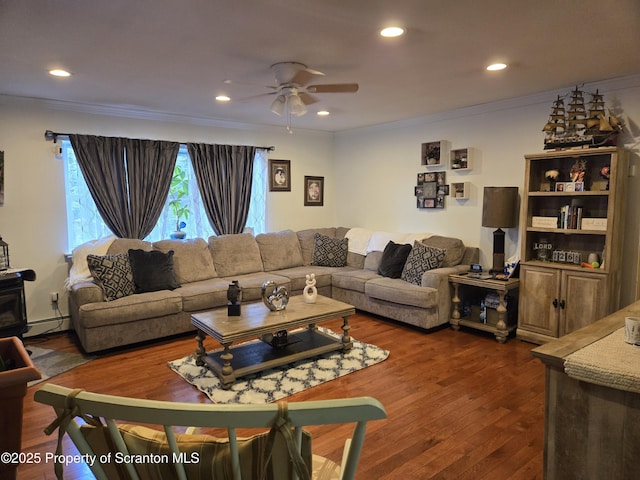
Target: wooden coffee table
(256, 320)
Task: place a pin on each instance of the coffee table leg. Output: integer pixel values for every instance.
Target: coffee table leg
(227, 377)
(200, 351)
(346, 339)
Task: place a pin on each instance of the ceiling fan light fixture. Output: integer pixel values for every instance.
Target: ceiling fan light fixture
(223, 98)
(277, 106)
(296, 105)
(323, 113)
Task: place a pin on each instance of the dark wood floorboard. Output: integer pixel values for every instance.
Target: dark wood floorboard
(460, 405)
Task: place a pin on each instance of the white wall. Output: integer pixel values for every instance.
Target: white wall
(376, 167)
(369, 173)
(33, 218)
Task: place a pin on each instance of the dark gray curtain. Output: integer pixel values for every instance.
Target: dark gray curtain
(128, 179)
(224, 174)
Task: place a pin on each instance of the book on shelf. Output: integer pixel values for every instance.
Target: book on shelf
(570, 217)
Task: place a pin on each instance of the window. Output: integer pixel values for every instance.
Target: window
(84, 223)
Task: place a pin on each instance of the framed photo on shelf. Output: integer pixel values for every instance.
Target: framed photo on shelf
(279, 175)
(313, 191)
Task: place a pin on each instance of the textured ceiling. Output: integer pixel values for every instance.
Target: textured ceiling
(172, 57)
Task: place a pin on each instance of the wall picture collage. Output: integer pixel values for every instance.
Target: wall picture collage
(431, 186)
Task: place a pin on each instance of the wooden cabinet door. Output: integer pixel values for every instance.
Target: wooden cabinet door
(539, 287)
(585, 300)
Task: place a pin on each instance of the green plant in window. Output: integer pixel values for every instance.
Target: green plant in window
(178, 191)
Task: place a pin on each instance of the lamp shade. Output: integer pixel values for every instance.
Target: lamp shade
(500, 207)
(277, 106)
(296, 105)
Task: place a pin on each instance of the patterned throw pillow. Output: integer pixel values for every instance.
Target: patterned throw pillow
(113, 274)
(330, 252)
(421, 259)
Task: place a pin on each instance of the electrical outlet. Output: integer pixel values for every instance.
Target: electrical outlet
(54, 297)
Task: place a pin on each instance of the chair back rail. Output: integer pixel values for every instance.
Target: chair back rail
(115, 409)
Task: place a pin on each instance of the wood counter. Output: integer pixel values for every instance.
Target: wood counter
(591, 431)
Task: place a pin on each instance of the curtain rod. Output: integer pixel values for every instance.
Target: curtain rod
(53, 136)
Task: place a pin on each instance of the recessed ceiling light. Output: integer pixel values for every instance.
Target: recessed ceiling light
(223, 98)
(323, 113)
(57, 72)
(390, 32)
(494, 67)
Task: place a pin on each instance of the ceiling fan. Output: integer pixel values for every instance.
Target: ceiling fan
(293, 92)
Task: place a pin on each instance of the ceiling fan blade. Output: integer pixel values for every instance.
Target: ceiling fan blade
(334, 88)
(249, 84)
(306, 98)
(252, 97)
(304, 76)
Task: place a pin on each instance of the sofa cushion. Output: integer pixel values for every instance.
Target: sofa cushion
(251, 284)
(123, 245)
(204, 295)
(420, 259)
(192, 261)
(235, 254)
(353, 279)
(393, 259)
(130, 309)
(307, 241)
(279, 250)
(398, 291)
(330, 252)
(113, 274)
(152, 271)
(453, 246)
(372, 261)
(298, 276)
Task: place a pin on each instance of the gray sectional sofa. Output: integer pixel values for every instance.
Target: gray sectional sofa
(204, 270)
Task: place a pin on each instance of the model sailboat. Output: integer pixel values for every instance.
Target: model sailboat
(578, 126)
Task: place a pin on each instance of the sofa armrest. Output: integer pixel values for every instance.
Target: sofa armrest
(86, 292)
(439, 277)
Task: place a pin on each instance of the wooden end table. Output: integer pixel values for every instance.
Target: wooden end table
(504, 324)
(257, 320)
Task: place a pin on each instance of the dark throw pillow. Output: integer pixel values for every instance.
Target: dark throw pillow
(393, 259)
(421, 259)
(113, 274)
(152, 271)
(330, 252)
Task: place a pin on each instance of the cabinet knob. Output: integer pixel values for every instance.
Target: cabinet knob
(555, 303)
(562, 304)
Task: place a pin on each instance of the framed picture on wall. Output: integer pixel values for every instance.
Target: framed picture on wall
(279, 175)
(313, 191)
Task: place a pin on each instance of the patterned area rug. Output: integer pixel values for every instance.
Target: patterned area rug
(53, 362)
(276, 383)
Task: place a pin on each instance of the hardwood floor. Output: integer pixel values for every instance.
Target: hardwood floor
(459, 405)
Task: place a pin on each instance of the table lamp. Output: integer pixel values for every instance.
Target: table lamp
(499, 210)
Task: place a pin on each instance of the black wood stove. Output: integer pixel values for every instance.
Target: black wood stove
(13, 309)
